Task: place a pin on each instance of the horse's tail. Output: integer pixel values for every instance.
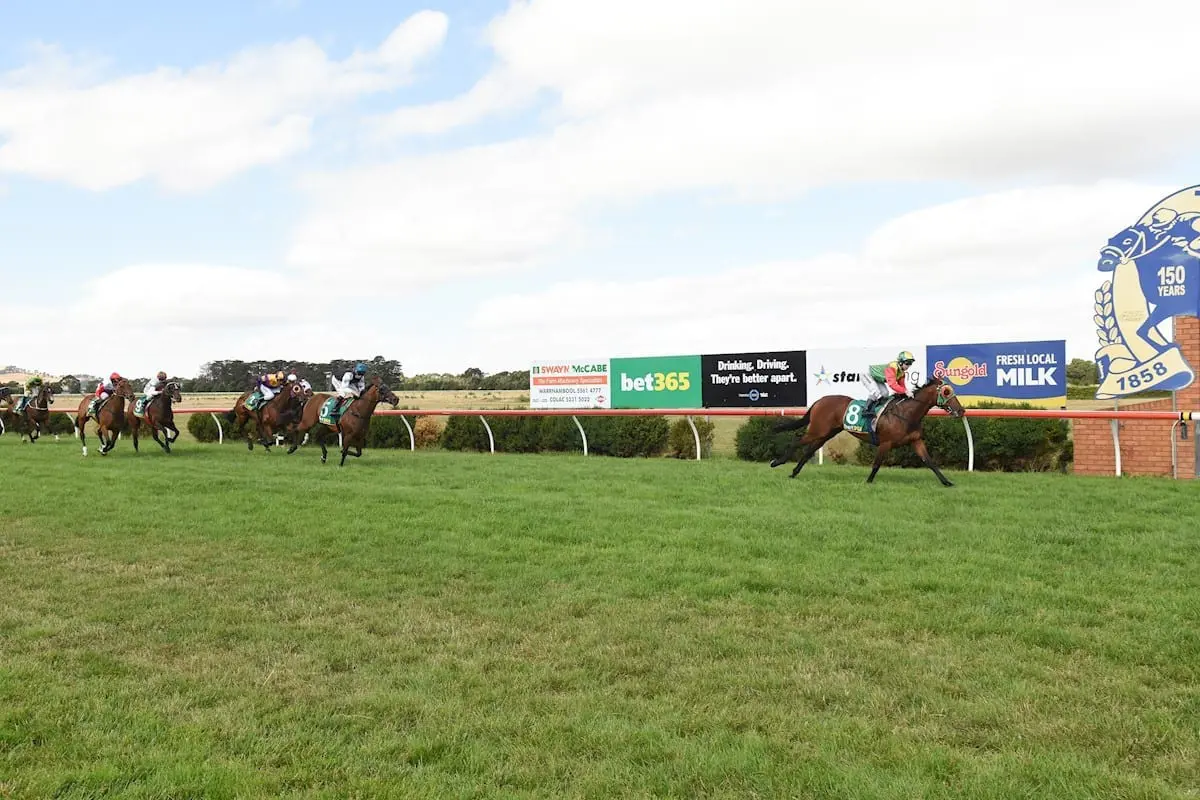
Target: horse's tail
(793, 424)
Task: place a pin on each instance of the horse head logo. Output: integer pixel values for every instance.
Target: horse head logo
(1155, 267)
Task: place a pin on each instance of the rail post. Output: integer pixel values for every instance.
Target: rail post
(970, 445)
(695, 434)
(1115, 424)
(582, 433)
(220, 430)
(412, 440)
(491, 439)
(1174, 455)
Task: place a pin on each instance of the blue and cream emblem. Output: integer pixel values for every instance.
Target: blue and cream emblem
(1155, 266)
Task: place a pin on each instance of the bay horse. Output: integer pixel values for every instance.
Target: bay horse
(110, 418)
(158, 415)
(900, 423)
(36, 415)
(351, 428)
(278, 412)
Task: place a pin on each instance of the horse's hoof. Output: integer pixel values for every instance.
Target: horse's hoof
(776, 463)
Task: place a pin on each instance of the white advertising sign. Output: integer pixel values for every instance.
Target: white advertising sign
(841, 370)
(570, 383)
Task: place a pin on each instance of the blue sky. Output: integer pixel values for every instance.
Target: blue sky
(499, 184)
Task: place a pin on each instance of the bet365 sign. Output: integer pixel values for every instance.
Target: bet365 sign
(656, 382)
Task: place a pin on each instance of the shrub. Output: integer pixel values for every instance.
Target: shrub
(428, 431)
(204, 428)
(682, 442)
(628, 437)
(617, 436)
(59, 424)
(758, 441)
(464, 433)
(387, 433)
(1001, 444)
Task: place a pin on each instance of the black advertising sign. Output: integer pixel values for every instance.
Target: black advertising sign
(747, 380)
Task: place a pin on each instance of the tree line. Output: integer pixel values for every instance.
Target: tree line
(237, 376)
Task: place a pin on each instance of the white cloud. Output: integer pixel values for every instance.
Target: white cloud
(755, 101)
(1011, 265)
(190, 129)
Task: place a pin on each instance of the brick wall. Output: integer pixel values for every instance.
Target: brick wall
(1145, 444)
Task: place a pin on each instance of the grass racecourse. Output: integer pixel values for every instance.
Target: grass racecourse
(217, 623)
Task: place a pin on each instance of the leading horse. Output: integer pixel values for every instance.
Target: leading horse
(158, 415)
(351, 428)
(900, 423)
(110, 417)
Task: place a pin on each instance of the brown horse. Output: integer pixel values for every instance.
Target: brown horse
(900, 423)
(110, 417)
(36, 415)
(278, 413)
(351, 428)
(158, 415)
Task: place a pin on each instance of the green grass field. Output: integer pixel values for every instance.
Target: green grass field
(217, 623)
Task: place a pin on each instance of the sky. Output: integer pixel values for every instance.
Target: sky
(485, 184)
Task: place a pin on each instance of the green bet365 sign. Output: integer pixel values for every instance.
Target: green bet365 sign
(656, 382)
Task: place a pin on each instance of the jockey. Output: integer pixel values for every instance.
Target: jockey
(154, 386)
(32, 387)
(884, 378)
(268, 383)
(106, 387)
(354, 382)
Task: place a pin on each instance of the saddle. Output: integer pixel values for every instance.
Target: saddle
(254, 400)
(97, 404)
(856, 419)
(333, 409)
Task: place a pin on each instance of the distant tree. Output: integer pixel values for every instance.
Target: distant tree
(472, 377)
(70, 384)
(1081, 372)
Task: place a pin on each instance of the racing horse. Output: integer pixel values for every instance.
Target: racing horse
(900, 423)
(36, 415)
(351, 427)
(277, 413)
(110, 417)
(158, 415)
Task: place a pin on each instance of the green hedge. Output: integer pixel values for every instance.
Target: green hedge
(1001, 445)
(625, 437)
(681, 442)
(757, 441)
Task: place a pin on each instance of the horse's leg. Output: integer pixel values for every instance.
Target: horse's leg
(135, 428)
(154, 432)
(169, 428)
(880, 453)
(788, 453)
(923, 452)
(80, 427)
(809, 450)
(814, 443)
